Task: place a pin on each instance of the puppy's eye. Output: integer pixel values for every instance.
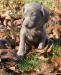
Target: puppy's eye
(33, 14)
(33, 17)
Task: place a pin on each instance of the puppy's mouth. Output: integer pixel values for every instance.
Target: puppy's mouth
(30, 26)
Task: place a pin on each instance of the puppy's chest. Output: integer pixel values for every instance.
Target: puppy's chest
(33, 34)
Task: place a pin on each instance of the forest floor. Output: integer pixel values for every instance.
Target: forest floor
(38, 61)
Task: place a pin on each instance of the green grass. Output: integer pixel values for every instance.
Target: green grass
(29, 63)
(57, 44)
(32, 62)
(56, 48)
(13, 14)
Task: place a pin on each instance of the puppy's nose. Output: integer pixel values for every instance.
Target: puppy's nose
(26, 25)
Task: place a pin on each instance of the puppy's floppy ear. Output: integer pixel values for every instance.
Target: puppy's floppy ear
(45, 14)
(42, 11)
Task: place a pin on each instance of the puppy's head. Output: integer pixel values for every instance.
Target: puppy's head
(34, 15)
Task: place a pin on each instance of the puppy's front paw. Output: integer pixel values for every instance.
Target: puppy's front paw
(18, 58)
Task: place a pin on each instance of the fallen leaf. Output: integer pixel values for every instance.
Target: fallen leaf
(42, 50)
(12, 68)
(5, 14)
(50, 48)
(56, 34)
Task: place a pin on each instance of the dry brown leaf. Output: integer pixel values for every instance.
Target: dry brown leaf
(12, 68)
(50, 48)
(6, 57)
(6, 51)
(54, 31)
(8, 17)
(58, 60)
(41, 58)
(4, 22)
(9, 23)
(17, 41)
(3, 72)
(59, 53)
(2, 35)
(46, 68)
(50, 36)
(42, 50)
(7, 54)
(5, 14)
(58, 10)
(56, 34)
(55, 18)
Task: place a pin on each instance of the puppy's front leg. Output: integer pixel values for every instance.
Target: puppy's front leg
(21, 50)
